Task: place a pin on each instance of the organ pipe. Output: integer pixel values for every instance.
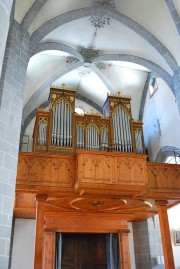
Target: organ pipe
(114, 131)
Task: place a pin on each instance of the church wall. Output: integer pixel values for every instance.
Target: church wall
(11, 104)
(174, 223)
(5, 10)
(23, 244)
(161, 120)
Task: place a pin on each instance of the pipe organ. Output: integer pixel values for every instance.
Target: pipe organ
(60, 129)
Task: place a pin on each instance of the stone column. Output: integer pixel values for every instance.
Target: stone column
(5, 11)
(11, 104)
(147, 243)
(165, 234)
(38, 252)
(124, 250)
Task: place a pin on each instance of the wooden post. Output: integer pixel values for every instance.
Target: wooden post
(165, 234)
(40, 199)
(49, 250)
(124, 253)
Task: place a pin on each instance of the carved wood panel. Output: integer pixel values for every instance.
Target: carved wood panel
(81, 251)
(45, 170)
(112, 169)
(164, 176)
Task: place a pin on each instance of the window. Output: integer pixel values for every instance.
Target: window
(152, 86)
(174, 159)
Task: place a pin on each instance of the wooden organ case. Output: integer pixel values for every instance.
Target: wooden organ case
(62, 130)
(88, 174)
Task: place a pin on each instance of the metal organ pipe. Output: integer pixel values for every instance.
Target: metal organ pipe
(138, 139)
(61, 125)
(58, 124)
(42, 133)
(80, 137)
(70, 128)
(68, 134)
(122, 131)
(115, 130)
(129, 136)
(92, 138)
(125, 118)
(120, 127)
(52, 133)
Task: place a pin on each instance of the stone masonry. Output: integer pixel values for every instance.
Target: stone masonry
(147, 244)
(11, 104)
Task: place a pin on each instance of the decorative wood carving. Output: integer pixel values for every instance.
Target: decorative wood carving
(164, 180)
(101, 170)
(98, 204)
(57, 130)
(46, 170)
(90, 181)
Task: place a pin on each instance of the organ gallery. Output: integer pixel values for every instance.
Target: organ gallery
(87, 177)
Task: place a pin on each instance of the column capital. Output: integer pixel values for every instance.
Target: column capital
(161, 203)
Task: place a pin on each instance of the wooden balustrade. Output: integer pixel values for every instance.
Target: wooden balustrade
(107, 173)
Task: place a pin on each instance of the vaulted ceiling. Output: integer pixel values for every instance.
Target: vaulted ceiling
(98, 46)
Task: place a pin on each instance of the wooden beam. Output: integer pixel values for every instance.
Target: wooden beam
(124, 250)
(165, 234)
(40, 199)
(49, 250)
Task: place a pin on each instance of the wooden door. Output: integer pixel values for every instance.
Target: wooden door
(84, 251)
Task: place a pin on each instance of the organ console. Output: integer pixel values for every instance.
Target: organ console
(60, 129)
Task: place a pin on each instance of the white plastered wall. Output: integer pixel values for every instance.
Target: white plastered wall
(23, 244)
(161, 111)
(174, 223)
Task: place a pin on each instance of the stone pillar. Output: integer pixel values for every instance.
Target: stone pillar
(49, 250)
(165, 234)
(147, 243)
(124, 254)
(11, 104)
(38, 252)
(5, 11)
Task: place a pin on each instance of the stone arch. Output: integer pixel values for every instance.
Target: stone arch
(165, 152)
(57, 21)
(56, 46)
(156, 69)
(30, 15)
